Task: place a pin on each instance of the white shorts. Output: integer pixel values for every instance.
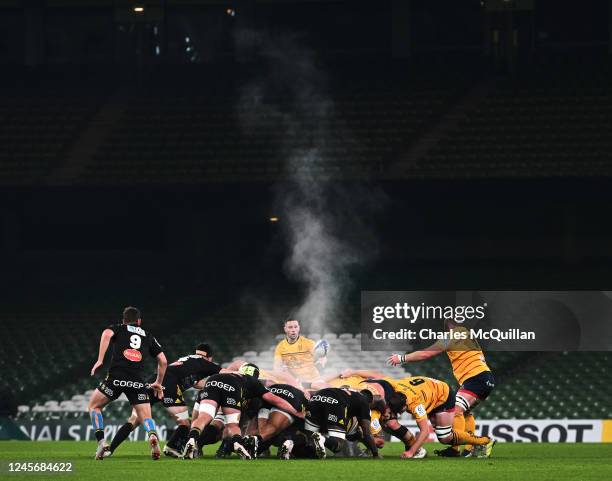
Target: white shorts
(315, 428)
(264, 413)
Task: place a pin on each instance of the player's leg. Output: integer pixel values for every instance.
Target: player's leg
(473, 391)
(335, 440)
(143, 411)
(245, 447)
(314, 423)
(97, 401)
(443, 426)
(470, 427)
(124, 432)
(301, 447)
(175, 444)
(207, 411)
(277, 422)
(464, 401)
(212, 434)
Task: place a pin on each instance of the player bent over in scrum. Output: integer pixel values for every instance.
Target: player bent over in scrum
(381, 389)
(425, 398)
(329, 413)
(126, 375)
(272, 421)
(230, 392)
(180, 375)
(476, 381)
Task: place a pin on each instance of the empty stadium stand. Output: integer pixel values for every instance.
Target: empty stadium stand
(37, 127)
(193, 137)
(533, 126)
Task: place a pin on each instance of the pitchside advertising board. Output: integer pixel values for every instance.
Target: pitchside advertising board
(504, 430)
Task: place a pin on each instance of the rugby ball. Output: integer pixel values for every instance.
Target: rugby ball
(321, 349)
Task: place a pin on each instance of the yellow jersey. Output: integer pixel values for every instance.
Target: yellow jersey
(351, 382)
(298, 358)
(465, 355)
(423, 394)
(375, 425)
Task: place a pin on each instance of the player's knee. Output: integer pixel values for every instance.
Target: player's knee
(461, 404)
(182, 417)
(444, 434)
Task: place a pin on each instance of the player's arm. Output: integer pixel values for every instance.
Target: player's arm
(286, 378)
(368, 439)
(233, 366)
(420, 439)
(200, 384)
(156, 351)
(280, 403)
(328, 377)
(105, 339)
(431, 351)
(162, 364)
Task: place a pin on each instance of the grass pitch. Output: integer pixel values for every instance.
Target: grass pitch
(514, 462)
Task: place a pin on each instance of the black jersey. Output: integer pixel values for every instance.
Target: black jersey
(353, 403)
(247, 387)
(130, 342)
(189, 369)
(291, 394)
(358, 406)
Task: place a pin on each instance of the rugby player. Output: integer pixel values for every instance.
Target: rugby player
(273, 421)
(230, 392)
(476, 381)
(214, 431)
(351, 378)
(295, 355)
(126, 375)
(329, 412)
(180, 375)
(424, 398)
(381, 388)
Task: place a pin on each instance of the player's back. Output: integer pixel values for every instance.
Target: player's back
(291, 394)
(352, 382)
(466, 357)
(422, 390)
(130, 344)
(191, 368)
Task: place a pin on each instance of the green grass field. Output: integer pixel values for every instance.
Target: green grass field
(520, 462)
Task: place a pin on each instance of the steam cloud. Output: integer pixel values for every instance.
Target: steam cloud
(323, 221)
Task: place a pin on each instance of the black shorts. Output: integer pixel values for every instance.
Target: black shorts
(480, 385)
(327, 412)
(448, 405)
(293, 396)
(226, 392)
(173, 392)
(123, 381)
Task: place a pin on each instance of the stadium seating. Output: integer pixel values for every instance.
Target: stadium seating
(47, 347)
(532, 126)
(36, 131)
(193, 137)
